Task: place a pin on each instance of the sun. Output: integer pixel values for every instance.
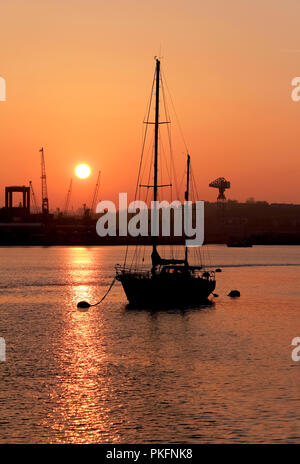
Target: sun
(82, 171)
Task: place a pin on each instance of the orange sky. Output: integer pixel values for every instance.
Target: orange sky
(78, 76)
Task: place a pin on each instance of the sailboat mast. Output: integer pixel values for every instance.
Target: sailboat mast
(154, 239)
(187, 193)
(156, 128)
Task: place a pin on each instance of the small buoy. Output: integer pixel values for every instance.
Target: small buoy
(234, 293)
(215, 295)
(218, 270)
(83, 304)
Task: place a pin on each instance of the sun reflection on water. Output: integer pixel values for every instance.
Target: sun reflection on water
(81, 392)
(113, 375)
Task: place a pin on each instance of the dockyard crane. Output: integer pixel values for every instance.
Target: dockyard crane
(95, 195)
(66, 208)
(221, 184)
(35, 206)
(45, 201)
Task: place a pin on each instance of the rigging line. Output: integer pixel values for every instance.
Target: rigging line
(172, 171)
(204, 251)
(177, 118)
(168, 118)
(199, 252)
(166, 164)
(181, 181)
(148, 179)
(147, 193)
(146, 160)
(134, 257)
(164, 157)
(143, 147)
(174, 175)
(194, 181)
(138, 249)
(144, 139)
(169, 173)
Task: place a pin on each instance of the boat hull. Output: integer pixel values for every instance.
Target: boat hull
(158, 291)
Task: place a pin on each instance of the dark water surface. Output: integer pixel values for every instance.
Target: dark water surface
(111, 375)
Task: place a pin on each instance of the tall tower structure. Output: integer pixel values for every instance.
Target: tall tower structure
(45, 201)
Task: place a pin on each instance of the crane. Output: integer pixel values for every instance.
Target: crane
(45, 201)
(95, 195)
(66, 208)
(221, 184)
(36, 208)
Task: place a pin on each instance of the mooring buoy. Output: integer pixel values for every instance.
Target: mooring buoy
(234, 294)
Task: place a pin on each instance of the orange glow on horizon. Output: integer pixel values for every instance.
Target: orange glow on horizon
(229, 71)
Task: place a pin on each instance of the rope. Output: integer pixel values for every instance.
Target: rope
(109, 289)
(85, 304)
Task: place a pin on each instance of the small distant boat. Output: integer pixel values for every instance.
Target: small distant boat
(240, 244)
(168, 281)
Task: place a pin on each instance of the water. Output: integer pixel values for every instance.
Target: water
(111, 375)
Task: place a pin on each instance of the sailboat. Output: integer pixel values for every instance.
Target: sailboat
(168, 281)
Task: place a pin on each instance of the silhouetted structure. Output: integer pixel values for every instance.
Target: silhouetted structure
(36, 208)
(95, 195)
(25, 197)
(66, 208)
(221, 184)
(45, 201)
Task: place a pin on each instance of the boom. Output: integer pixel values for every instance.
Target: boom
(95, 195)
(36, 208)
(66, 208)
